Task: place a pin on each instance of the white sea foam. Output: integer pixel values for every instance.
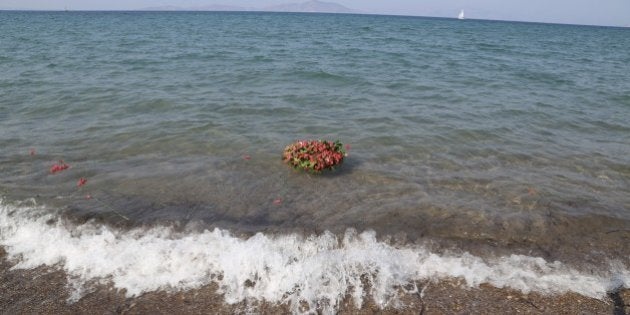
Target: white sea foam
(318, 270)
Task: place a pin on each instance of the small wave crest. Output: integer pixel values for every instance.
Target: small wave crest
(323, 77)
(295, 269)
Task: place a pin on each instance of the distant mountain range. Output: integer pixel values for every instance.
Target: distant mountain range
(309, 6)
(217, 7)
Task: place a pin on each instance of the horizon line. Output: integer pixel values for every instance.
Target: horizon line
(302, 12)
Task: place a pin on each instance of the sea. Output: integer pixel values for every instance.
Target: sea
(493, 152)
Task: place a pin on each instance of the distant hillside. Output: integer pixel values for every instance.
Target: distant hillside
(220, 7)
(216, 7)
(310, 6)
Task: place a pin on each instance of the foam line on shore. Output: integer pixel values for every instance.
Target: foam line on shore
(317, 269)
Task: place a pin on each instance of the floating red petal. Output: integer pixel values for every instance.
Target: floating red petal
(58, 167)
(82, 181)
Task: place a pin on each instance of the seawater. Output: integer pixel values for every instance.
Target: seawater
(484, 146)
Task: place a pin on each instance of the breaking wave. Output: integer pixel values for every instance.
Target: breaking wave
(318, 269)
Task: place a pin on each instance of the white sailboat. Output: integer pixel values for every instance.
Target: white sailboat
(461, 15)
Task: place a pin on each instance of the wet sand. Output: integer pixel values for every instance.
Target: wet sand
(44, 291)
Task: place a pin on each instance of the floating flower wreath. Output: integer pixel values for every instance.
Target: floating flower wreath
(314, 155)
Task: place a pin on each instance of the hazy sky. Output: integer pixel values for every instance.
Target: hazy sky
(598, 12)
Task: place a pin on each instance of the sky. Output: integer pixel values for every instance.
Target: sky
(592, 12)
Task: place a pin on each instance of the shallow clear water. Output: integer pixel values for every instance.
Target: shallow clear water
(509, 134)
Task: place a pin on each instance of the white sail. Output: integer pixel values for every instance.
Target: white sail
(461, 15)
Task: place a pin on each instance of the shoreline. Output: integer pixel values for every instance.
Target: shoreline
(576, 240)
(167, 271)
(44, 290)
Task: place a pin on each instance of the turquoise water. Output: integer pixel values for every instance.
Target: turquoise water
(512, 134)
